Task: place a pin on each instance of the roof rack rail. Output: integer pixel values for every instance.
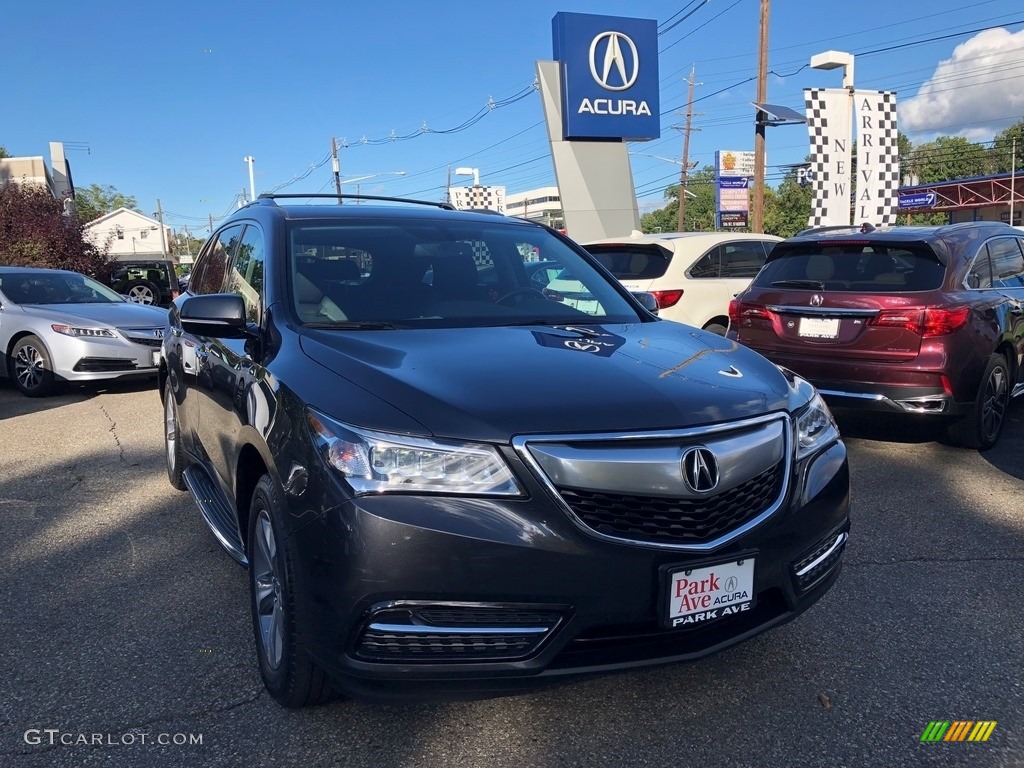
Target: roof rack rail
(299, 195)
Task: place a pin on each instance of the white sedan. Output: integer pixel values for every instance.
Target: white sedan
(62, 326)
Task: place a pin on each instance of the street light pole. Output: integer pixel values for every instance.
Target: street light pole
(252, 184)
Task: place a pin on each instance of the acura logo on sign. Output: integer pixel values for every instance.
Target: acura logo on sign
(611, 74)
(700, 470)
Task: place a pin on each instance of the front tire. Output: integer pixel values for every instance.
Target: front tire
(173, 453)
(980, 429)
(280, 624)
(31, 367)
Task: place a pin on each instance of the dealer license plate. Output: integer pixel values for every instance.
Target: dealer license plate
(156, 357)
(819, 327)
(698, 595)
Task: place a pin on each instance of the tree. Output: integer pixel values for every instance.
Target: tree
(96, 200)
(700, 208)
(787, 209)
(35, 233)
(1002, 153)
(948, 158)
(3, 153)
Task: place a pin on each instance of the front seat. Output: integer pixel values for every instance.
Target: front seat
(456, 277)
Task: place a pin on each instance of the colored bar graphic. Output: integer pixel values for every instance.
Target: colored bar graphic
(935, 730)
(958, 730)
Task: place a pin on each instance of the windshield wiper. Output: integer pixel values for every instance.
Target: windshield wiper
(355, 326)
(815, 284)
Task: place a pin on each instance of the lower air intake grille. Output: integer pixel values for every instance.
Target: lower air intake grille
(454, 632)
(819, 562)
(676, 521)
(391, 643)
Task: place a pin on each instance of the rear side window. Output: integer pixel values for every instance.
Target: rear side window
(632, 262)
(1007, 261)
(742, 259)
(855, 267)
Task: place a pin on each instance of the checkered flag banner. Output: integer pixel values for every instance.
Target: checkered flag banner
(878, 162)
(828, 127)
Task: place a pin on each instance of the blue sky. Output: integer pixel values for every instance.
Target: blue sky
(169, 97)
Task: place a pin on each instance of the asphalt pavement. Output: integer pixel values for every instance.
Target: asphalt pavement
(126, 640)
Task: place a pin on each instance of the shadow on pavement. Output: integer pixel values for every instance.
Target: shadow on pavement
(13, 403)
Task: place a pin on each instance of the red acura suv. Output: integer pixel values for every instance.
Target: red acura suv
(923, 320)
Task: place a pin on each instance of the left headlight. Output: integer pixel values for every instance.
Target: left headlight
(815, 427)
(69, 330)
(375, 462)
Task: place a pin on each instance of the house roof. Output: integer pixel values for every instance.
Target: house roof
(120, 212)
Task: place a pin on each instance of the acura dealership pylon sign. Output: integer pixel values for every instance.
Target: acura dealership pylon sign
(609, 76)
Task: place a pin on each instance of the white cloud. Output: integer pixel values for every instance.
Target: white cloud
(975, 93)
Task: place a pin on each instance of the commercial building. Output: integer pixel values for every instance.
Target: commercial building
(543, 204)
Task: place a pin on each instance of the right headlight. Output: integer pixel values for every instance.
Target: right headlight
(376, 462)
(815, 427)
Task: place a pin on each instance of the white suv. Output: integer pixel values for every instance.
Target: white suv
(693, 275)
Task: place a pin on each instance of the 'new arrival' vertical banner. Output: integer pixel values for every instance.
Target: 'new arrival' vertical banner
(878, 162)
(829, 127)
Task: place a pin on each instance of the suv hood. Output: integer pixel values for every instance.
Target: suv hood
(493, 383)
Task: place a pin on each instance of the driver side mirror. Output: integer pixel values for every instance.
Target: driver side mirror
(649, 301)
(217, 315)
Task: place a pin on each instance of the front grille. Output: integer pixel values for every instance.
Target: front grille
(393, 643)
(819, 562)
(145, 342)
(659, 519)
(104, 364)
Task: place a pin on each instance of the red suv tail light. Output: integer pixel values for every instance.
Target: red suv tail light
(738, 310)
(667, 299)
(940, 321)
(930, 321)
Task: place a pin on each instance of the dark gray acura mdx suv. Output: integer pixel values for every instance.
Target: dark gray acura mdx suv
(448, 480)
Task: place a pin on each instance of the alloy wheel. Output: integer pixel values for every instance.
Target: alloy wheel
(994, 407)
(269, 591)
(29, 367)
(140, 294)
(170, 428)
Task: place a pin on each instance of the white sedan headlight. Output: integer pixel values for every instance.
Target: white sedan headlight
(69, 330)
(374, 462)
(815, 427)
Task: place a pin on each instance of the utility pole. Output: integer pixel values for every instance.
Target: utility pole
(163, 234)
(211, 222)
(685, 170)
(188, 241)
(1013, 175)
(336, 165)
(448, 186)
(757, 225)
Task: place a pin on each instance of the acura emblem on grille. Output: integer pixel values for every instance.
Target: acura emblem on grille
(700, 470)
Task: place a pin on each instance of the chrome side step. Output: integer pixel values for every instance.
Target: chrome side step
(1018, 390)
(216, 513)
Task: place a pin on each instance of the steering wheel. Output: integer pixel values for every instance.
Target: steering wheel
(521, 292)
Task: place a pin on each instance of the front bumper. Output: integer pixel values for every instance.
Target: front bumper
(418, 596)
(90, 359)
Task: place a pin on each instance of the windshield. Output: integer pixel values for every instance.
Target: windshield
(55, 288)
(444, 274)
